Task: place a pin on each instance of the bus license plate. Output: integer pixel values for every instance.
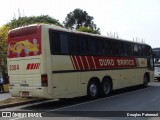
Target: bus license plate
(25, 93)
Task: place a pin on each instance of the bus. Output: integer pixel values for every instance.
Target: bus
(47, 61)
(156, 52)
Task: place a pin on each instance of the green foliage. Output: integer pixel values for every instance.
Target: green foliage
(79, 18)
(3, 47)
(89, 30)
(22, 21)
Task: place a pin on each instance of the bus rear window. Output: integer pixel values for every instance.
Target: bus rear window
(24, 42)
(23, 32)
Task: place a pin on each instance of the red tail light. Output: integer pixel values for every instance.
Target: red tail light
(44, 80)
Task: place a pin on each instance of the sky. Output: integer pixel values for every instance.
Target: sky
(130, 19)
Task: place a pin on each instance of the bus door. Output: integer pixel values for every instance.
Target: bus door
(150, 63)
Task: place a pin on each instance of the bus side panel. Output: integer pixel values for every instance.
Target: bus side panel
(65, 82)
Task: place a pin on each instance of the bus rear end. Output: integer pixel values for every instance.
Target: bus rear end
(26, 71)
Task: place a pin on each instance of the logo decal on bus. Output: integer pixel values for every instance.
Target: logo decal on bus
(97, 62)
(33, 66)
(27, 46)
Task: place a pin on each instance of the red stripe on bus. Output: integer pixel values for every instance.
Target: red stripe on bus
(32, 66)
(91, 62)
(36, 66)
(79, 62)
(75, 62)
(85, 64)
(72, 62)
(28, 66)
(102, 62)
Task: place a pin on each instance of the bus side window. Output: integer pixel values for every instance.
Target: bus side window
(127, 49)
(54, 38)
(140, 52)
(74, 47)
(92, 46)
(120, 46)
(100, 46)
(146, 51)
(116, 48)
(108, 48)
(83, 45)
(64, 44)
(135, 50)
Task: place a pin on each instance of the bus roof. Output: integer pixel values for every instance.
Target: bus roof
(78, 32)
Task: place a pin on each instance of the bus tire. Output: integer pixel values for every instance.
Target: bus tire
(93, 89)
(158, 78)
(145, 80)
(106, 87)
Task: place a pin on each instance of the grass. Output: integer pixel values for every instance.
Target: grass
(16, 100)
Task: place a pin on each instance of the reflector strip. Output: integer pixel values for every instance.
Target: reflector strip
(33, 66)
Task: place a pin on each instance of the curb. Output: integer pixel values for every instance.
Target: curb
(4, 92)
(21, 103)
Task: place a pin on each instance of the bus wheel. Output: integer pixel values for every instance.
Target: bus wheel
(106, 87)
(158, 78)
(93, 89)
(145, 80)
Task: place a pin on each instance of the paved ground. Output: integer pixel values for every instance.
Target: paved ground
(5, 95)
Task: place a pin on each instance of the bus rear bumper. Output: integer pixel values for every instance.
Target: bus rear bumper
(40, 92)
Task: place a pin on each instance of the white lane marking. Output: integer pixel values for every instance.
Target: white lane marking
(154, 99)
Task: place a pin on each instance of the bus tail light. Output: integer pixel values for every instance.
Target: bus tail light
(44, 80)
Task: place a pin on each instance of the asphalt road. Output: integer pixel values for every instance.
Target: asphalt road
(132, 102)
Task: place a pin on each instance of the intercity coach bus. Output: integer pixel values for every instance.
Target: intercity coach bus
(156, 53)
(51, 62)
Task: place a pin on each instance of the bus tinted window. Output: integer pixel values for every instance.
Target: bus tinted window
(140, 51)
(108, 47)
(74, 44)
(156, 53)
(83, 45)
(92, 46)
(100, 46)
(54, 42)
(127, 49)
(135, 50)
(58, 43)
(120, 49)
(23, 31)
(146, 51)
(64, 43)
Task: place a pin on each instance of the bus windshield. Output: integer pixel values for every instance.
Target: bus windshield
(156, 53)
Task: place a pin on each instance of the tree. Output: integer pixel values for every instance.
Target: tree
(79, 18)
(3, 47)
(89, 30)
(21, 21)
